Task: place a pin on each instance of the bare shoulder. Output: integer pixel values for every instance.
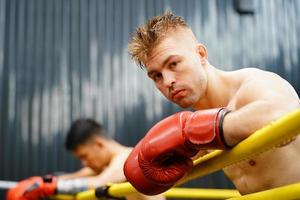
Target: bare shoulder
(121, 156)
(262, 85)
(256, 73)
(264, 81)
(125, 151)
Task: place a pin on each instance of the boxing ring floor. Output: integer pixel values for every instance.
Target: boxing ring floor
(271, 136)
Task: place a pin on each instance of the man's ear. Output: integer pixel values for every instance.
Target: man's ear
(202, 53)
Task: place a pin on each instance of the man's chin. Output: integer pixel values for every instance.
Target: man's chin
(97, 170)
(184, 104)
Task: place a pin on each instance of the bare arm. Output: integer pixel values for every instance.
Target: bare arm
(259, 101)
(84, 172)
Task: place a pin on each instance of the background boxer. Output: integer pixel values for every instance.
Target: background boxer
(102, 158)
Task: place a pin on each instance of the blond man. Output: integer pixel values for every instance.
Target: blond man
(228, 107)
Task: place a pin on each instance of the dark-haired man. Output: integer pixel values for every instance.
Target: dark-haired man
(101, 156)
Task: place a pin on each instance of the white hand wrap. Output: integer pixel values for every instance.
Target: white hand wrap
(71, 186)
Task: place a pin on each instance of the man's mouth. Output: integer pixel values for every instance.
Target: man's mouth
(177, 94)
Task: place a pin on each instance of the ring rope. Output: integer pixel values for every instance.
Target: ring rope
(291, 191)
(175, 193)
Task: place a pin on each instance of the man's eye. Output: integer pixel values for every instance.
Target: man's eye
(173, 64)
(157, 77)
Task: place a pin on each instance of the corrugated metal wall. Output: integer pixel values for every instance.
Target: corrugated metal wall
(64, 59)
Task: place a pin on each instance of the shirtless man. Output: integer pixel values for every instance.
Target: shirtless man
(229, 106)
(101, 157)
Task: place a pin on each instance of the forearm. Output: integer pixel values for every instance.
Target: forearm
(109, 175)
(241, 123)
(84, 172)
(74, 182)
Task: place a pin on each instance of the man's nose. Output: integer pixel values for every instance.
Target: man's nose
(84, 163)
(169, 79)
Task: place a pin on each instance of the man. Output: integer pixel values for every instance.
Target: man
(229, 106)
(102, 158)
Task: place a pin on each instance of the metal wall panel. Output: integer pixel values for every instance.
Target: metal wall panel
(64, 59)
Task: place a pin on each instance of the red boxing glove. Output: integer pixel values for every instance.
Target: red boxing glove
(16, 193)
(163, 156)
(33, 188)
(136, 176)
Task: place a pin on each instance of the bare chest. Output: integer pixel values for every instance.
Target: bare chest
(273, 168)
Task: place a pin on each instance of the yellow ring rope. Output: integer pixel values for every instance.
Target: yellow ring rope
(186, 193)
(285, 192)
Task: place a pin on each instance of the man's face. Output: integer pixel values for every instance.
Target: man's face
(94, 154)
(177, 67)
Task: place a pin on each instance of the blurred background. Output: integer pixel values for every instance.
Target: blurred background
(65, 59)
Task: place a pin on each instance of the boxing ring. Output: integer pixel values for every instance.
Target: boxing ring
(271, 136)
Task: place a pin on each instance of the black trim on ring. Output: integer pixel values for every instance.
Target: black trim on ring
(103, 192)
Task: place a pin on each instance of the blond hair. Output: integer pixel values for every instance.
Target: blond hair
(148, 35)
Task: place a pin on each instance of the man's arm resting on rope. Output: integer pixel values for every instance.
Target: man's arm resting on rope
(38, 187)
(83, 172)
(41, 187)
(257, 105)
